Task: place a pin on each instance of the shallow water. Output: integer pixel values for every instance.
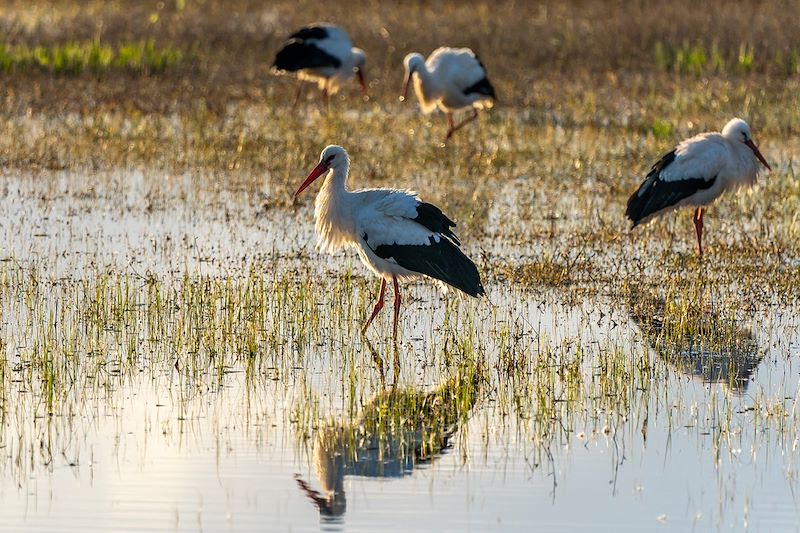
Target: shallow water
(579, 415)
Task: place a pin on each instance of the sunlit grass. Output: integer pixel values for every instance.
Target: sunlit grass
(74, 58)
(697, 59)
(537, 186)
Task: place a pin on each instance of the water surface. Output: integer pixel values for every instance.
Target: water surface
(131, 403)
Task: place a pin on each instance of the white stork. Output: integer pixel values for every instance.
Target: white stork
(321, 53)
(397, 235)
(696, 173)
(451, 79)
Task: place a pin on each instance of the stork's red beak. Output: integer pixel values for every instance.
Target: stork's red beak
(756, 151)
(318, 171)
(360, 76)
(406, 83)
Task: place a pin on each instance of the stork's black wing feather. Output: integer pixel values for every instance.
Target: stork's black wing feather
(442, 260)
(299, 55)
(655, 194)
(310, 32)
(482, 86)
(431, 217)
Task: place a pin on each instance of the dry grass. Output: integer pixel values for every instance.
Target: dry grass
(523, 44)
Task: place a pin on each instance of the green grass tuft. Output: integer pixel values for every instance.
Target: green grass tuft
(74, 58)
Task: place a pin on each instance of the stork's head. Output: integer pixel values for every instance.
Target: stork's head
(359, 60)
(332, 157)
(738, 130)
(412, 62)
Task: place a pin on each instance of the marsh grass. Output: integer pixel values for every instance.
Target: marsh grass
(75, 58)
(697, 59)
(73, 339)
(537, 187)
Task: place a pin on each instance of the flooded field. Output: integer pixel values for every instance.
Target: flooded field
(176, 355)
(181, 358)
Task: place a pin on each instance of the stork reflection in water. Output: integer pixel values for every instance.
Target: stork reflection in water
(697, 341)
(397, 431)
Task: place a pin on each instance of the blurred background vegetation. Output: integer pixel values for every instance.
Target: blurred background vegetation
(219, 51)
(186, 84)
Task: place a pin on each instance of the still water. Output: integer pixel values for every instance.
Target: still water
(575, 414)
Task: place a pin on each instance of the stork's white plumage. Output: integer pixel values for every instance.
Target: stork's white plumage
(451, 79)
(321, 53)
(696, 173)
(397, 235)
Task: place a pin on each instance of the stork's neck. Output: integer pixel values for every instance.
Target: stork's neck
(334, 212)
(335, 184)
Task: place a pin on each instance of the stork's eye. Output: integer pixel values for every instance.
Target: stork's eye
(329, 158)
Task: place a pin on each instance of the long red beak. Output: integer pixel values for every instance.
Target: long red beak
(406, 84)
(756, 151)
(318, 171)
(360, 76)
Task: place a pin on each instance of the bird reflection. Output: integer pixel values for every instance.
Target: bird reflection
(697, 341)
(398, 429)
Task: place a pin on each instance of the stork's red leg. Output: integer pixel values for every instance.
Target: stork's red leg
(297, 95)
(461, 124)
(450, 126)
(396, 305)
(326, 97)
(377, 308)
(697, 218)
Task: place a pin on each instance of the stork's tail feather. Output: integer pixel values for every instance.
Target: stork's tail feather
(453, 267)
(461, 272)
